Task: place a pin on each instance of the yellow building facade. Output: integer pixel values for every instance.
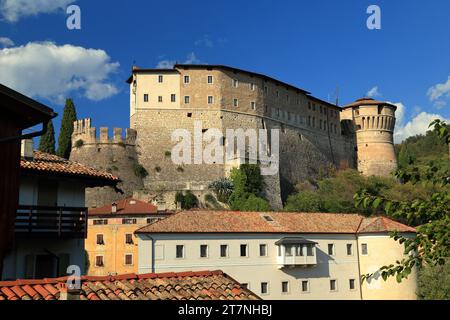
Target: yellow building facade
(111, 246)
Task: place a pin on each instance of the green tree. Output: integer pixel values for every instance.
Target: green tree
(405, 157)
(66, 130)
(223, 188)
(47, 141)
(431, 246)
(306, 201)
(187, 201)
(247, 188)
(434, 282)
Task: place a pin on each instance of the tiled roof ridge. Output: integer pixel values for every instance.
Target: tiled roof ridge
(384, 221)
(130, 276)
(62, 165)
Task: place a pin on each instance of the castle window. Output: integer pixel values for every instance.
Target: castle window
(309, 105)
(128, 238)
(349, 249)
(235, 102)
(210, 79)
(305, 286)
(252, 86)
(331, 249)
(333, 285)
(187, 99)
(203, 251)
(99, 261)
(320, 109)
(364, 250)
(287, 98)
(253, 105)
(100, 240)
(97, 222)
(223, 250)
(266, 89)
(264, 288)
(128, 259)
(314, 107)
(173, 97)
(278, 93)
(309, 121)
(145, 97)
(324, 125)
(285, 287)
(187, 79)
(128, 221)
(235, 83)
(179, 251)
(210, 99)
(160, 79)
(351, 283)
(263, 250)
(244, 250)
(314, 122)
(160, 99)
(189, 115)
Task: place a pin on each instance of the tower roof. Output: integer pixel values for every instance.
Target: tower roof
(366, 101)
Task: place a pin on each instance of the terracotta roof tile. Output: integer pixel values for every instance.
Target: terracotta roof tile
(48, 163)
(198, 221)
(126, 206)
(168, 286)
(367, 102)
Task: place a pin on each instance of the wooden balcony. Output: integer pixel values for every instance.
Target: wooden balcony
(54, 222)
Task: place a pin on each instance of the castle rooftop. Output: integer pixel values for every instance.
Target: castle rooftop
(366, 101)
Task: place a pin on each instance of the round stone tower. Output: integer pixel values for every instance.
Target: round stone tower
(374, 123)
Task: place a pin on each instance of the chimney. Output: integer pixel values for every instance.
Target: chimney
(26, 150)
(114, 208)
(66, 293)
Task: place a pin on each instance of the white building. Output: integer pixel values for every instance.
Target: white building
(51, 222)
(281, 255)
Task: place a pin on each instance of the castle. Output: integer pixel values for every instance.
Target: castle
(314, 134)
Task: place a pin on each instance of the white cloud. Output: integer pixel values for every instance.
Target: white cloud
(372, 93)
(205, 41)
(46, 70)
(168, 64)
(13, 10)
(6, 42)
(439, 90)
(418, 125)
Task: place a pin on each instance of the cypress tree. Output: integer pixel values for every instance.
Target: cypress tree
(66, 130)
(405, 157)
(47, 141)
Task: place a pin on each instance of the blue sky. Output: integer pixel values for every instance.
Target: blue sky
(315, 45)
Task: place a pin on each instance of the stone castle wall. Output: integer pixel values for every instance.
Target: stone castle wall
(116, 154)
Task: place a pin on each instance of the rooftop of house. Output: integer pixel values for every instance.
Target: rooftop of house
(368, 102)
(203, 285)
(272, 222)
(128, 206)
(49, 164)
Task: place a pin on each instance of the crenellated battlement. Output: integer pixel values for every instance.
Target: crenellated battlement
(82, 130)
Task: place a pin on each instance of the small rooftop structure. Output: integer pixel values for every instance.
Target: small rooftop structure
(128, 206)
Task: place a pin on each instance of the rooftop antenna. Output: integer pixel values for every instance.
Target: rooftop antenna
(337, 95)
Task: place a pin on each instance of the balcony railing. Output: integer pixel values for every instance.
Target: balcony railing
(290, 261)
(59, 222)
